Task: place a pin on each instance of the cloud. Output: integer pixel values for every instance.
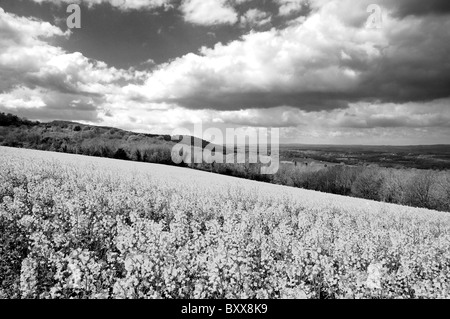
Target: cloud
(120, 4)
(361, 123)
(22, 98)
(324, 76)
(357, 115)
(389, 115)
(324, 61)
(200, 12)
(37, 77)
(46, 105)
(302, 65)
(404, 8)
(208, 12)
(255, 18)
(288, 7)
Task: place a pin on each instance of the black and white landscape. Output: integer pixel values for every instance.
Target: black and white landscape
(224, 149)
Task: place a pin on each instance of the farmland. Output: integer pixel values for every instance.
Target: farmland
(83, 227)
(435, 157)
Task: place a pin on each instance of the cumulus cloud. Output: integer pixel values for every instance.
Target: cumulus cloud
(303, 65)
(324, 61)
(208, 12)
(22, 98)
(36, 75)
(200, 12)
(45, 104)
(288, 7)
(255, 18)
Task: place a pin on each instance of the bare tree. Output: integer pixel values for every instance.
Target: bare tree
(368, 184)
(419, 192)
(444, 184)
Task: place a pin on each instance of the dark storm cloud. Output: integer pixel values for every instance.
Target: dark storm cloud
(412, 65)
(404, 8)
(398, 79)
(249, 100)
(55, 82)
(58, 83)
(9, 78)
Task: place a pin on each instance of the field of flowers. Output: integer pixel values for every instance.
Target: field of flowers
(81, 227)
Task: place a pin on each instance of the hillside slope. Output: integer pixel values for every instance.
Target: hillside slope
(99, 141)
(204, 181)
(82, 227)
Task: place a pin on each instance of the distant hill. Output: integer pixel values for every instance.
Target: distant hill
(99, 141)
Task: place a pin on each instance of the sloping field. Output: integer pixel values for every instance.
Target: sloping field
(212, 183)
(206, 182)
(83, 227)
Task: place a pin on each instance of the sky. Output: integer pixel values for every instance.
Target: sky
(318, 70)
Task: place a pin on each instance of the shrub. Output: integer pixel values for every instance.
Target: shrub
(161, 154)
(368, 184)
(284, 176)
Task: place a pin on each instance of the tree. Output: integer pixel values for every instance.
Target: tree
(13, 120)
(419, 191)
(121, 154)
(394, 186)
(445, 188)
(368, 184)
(137, 155)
